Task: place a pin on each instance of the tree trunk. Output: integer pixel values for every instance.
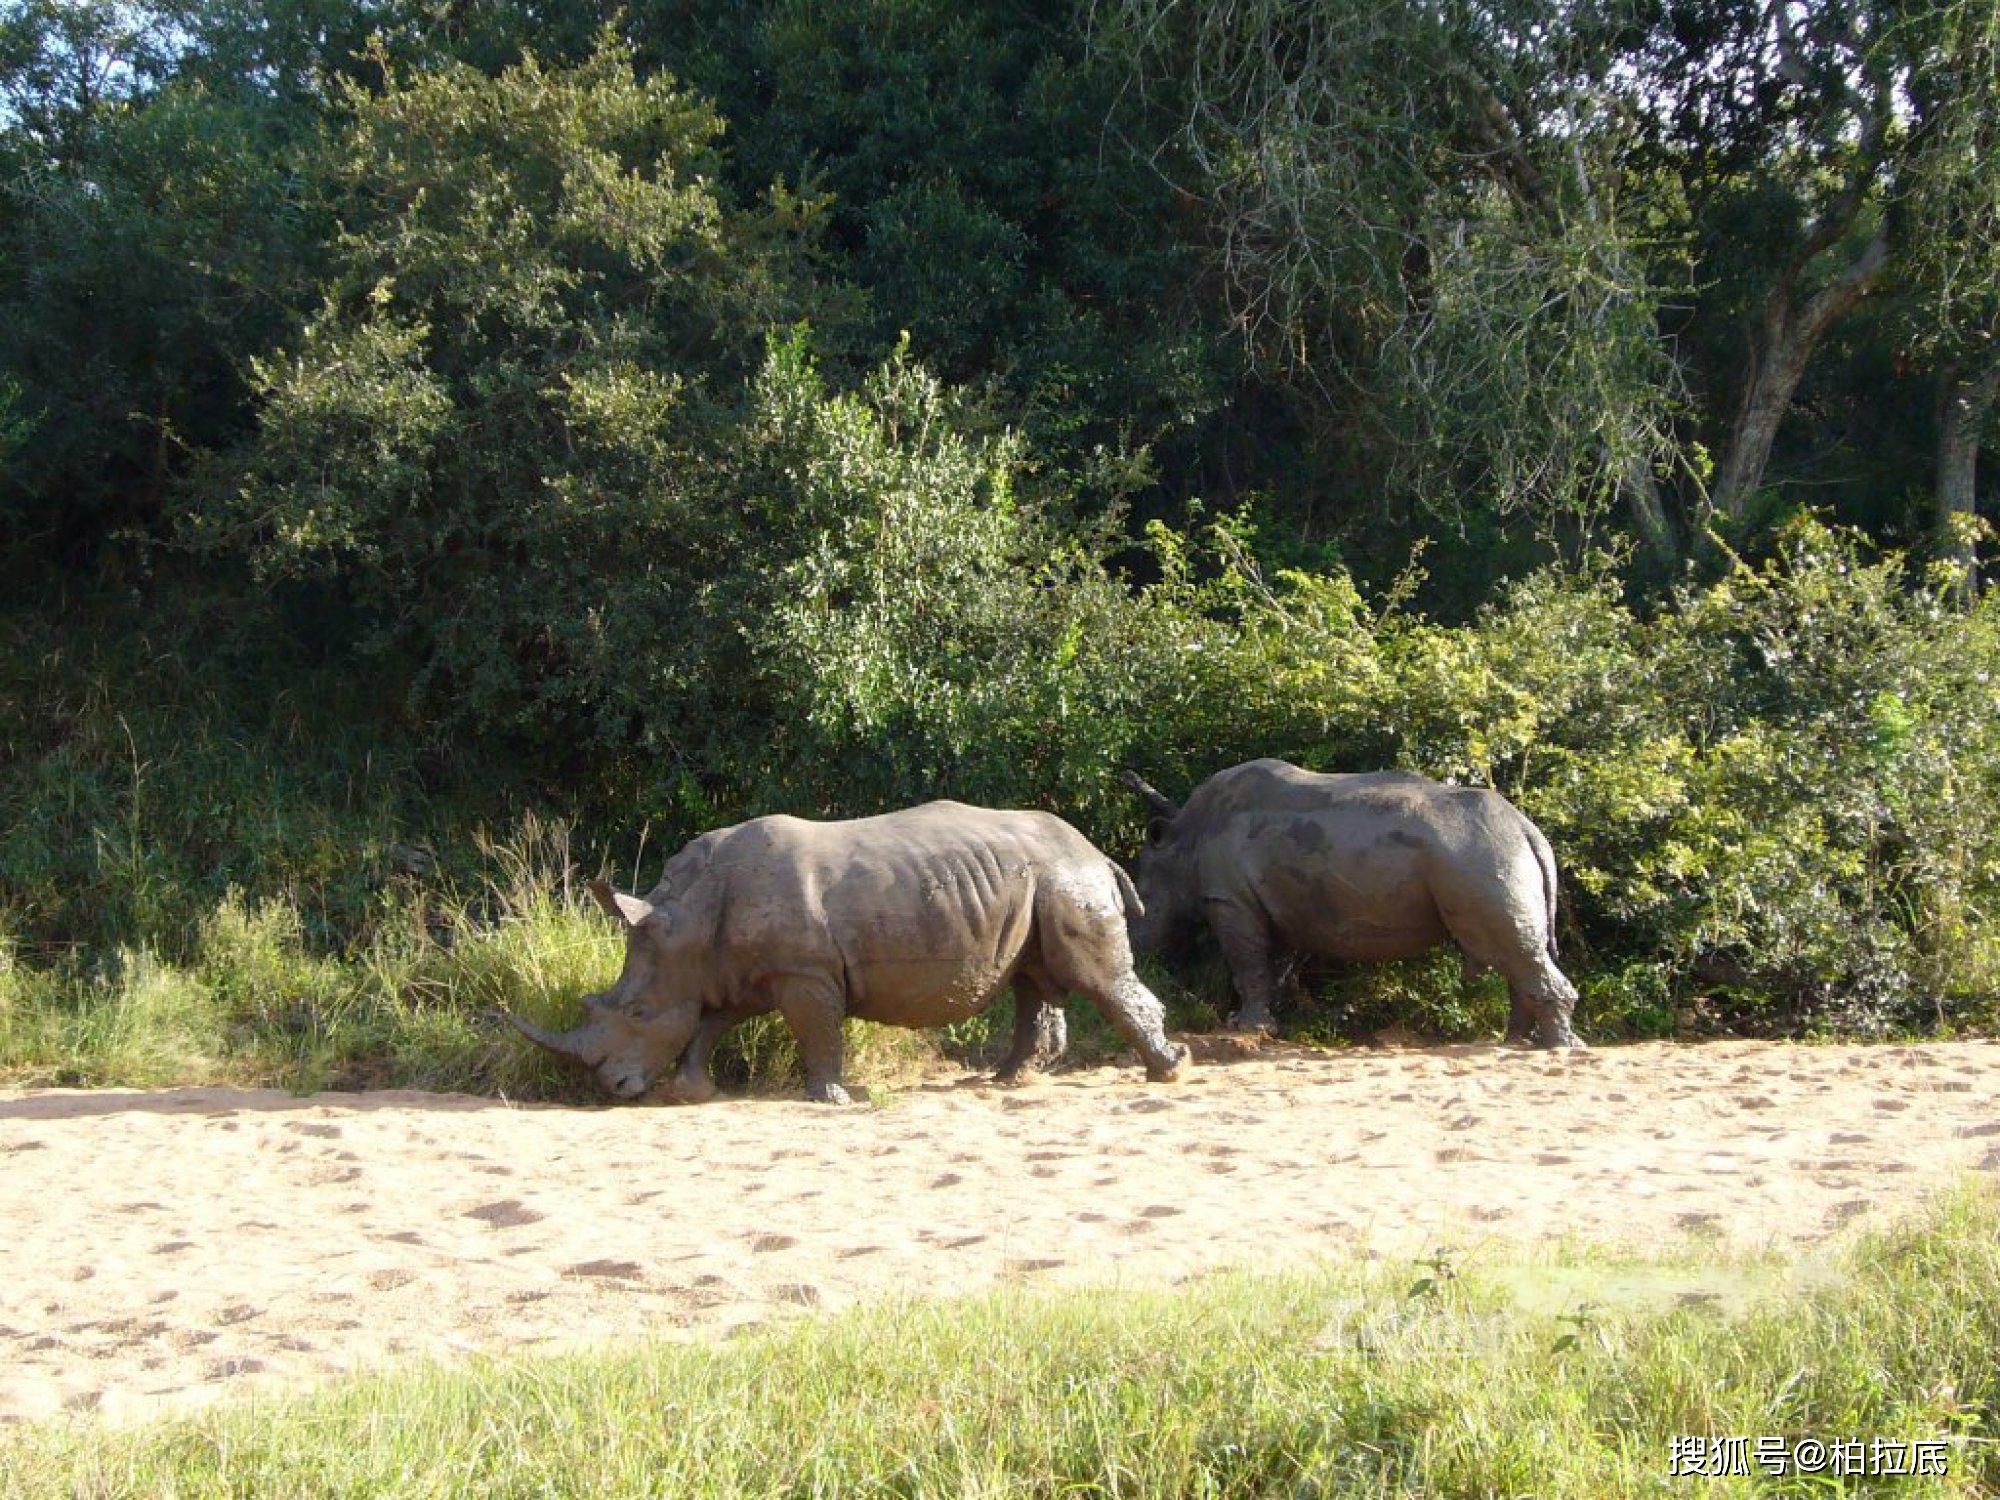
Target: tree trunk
(1789, 333)
(1648, 511)
(1965, 400)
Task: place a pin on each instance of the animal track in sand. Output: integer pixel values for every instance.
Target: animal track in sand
(615, 1270)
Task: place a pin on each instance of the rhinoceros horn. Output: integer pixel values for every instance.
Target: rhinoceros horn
(1156, 799)
(580, 1045)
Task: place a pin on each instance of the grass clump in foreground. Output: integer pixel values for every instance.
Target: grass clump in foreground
(1388, 1380)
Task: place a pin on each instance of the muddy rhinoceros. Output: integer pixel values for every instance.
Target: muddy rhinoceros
(914, 918)
(1283, 863)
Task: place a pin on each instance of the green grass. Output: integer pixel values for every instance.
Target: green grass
(1355, 1380)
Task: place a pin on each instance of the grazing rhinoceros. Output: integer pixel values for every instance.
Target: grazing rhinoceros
(914, 918)
(1283, 863)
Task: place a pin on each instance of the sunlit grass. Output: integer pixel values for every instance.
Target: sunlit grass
(1371, 1380)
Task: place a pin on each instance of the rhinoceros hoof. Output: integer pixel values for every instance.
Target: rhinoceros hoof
(1171, 1072)
(691, 1090)
(1252, 1025)
(826, 1093)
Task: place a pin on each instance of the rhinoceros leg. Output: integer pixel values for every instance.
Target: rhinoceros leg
(1051, 1034)
(1553, 999)
(1041, 1031)
(1540, 1001)
(1251, 953)
(1141, 1019)
(693, 1083)
(1083, 948)
(815, 1012)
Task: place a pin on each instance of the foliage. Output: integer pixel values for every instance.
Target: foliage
(1320, 1382)
(962, 150)
(490, 433)
(1402, 220)
(129, 292)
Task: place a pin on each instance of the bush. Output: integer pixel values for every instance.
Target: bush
(494, 435)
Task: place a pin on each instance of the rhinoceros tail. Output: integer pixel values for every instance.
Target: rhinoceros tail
(1546, 858)
(1127, 891)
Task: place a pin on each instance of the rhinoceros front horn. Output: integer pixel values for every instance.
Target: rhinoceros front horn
(577, 1045)
(1161, 804)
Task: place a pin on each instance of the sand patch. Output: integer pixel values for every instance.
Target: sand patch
(164, 1248)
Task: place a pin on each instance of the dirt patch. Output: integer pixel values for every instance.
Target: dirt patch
(163, 1248)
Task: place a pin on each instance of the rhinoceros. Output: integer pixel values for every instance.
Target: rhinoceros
(914, 918)
(1283, 863)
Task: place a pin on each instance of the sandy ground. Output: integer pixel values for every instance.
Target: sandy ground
(162, 1248)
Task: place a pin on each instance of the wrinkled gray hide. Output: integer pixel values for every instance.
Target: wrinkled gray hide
(1282, 863)
(915, 918)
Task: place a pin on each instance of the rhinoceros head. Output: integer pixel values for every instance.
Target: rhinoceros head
(1164, 874)
(638, 1028)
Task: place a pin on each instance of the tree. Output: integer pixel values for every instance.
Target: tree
(1817, 127)
(498, 432)
(1419, 209)
(1955, 254)
(64, 62)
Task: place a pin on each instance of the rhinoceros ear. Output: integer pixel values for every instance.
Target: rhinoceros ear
(1156, 799)
(627, 909)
